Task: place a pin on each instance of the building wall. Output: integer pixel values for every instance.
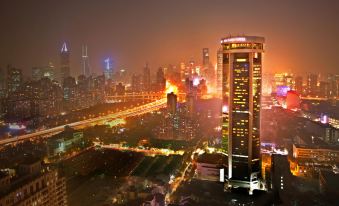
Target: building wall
(46, 189)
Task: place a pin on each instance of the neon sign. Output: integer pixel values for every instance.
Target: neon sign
(234, 39)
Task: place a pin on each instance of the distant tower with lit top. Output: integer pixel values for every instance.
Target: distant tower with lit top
(241, 81)
(65, 70)
(86, 71)
(108, 72)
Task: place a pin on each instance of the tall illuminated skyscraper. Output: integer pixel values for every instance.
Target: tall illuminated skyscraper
(65, 70)
(242, 70)
(85, 64)
(108, 72)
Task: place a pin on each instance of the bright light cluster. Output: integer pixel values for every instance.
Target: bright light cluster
(171, 88)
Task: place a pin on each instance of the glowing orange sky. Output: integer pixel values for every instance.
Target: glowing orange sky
(301, 36)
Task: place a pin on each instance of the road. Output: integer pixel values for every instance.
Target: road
(146, 108)
(148, 151)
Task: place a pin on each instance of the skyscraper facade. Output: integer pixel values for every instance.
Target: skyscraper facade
(242, 71)
(147, 78)
(43, 72)
(65, 70)
(219, 71)
(14, 79)
(205, 57)
(299, 85)
(108, 71)
(86, 71)
(161, 81)
(312, 85)
(2, 84)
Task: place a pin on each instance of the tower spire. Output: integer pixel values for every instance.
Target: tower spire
(64, 47)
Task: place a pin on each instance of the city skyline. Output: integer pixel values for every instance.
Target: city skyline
(169, 103)
(181, 35)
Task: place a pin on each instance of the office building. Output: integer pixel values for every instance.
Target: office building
(242, 68)
(205, 57)
(312, 85)
(120, 89)
(324, 89)
(209, 165)
(32, 185)
(171, 103)
(299, 85)
(70, 93)
(86, 70)
(108, 70)
(65, 70)
(2, 83)
(14, 79)
(219, 70)
(161, 81)
(43, 72)
(136, 85)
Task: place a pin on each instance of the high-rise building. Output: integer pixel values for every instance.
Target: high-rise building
(312, 84)
(219, 71)
(161, 81)
(70, 93)
(146, 78)
(120, 89)
(205, 57)
(242, 71)
(172, 103)
(108, 71)
(86, 70)
(324, 89)
(333, 85)
(136, 85)
(299, 85)
(14, 79)
(32, 185)
(41, 72)
(65, 70)
(2, 84)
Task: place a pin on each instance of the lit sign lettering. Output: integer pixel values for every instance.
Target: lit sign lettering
(235, 39)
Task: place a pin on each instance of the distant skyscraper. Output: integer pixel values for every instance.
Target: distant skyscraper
(14, 79)
(172, 103)
(147, 78)
(219, 71)
(136, 83)
(299, 85)
(41, 72)
(324, 89)
(2, 84)
(333, 85)
(70, 93)
(85, 64)
(312, 84)
(242, 70)
(161, 81)
(205, 57)
(108, 72)
(65, 70)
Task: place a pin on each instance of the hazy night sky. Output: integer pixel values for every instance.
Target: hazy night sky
(301, 35)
